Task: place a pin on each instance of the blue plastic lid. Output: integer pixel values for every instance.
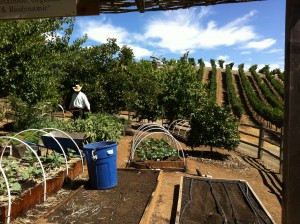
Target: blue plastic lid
(99, 145)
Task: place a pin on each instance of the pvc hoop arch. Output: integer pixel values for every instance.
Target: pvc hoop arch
(40, 130)
(177, 143)
(178, 122)
(8, 192)
(81, 157)
(7, 184)
(145, 126)
(63, 111)
(174, 124)
(183, 122)
(154, 128)
(148, 128)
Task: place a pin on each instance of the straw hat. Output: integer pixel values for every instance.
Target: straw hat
(77, 88)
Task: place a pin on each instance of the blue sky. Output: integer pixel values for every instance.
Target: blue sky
(249, 33)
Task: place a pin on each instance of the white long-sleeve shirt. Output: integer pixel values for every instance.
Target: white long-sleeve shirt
(79, 100)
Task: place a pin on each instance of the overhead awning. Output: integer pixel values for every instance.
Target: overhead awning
(26, 9)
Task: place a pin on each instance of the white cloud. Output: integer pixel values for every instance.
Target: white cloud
(246, 67)
(185, 30)
(223, 57)
(140, 52)
(100, 31)
(272, 66)
(274, 51)
(245, 52)
(182, 30)
(260, 45)
(207, 63)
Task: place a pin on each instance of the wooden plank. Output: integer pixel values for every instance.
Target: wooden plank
(247, 133)
(249, 143)
(37, 9)
(291, 143)
(177, 220)
(152, 203)
(140, 4)
(271, 154)
(88, 7)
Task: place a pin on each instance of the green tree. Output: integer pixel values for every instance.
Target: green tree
(101, 70)
(181, 91)
(145, 83)
(31, 58)
(213, 126)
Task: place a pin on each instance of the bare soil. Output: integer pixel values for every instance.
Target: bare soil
(124, 203)
(206, 200)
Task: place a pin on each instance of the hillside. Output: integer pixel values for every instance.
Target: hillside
(251, 115)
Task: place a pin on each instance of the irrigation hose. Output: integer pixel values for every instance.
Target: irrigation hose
(250, 204)
(190, 199)
(231, 204)
(219, 207)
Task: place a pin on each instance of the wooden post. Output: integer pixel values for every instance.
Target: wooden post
(260, 141)
(88, 7)
(281, 152)
(291, 144)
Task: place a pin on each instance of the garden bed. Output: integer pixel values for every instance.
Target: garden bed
(35, 195)
(164, 165)
(205, 200)
(124, 203)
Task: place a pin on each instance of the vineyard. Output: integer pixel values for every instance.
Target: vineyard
(254, 97)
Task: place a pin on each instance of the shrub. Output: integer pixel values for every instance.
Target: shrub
(98, 127)
(213, 126)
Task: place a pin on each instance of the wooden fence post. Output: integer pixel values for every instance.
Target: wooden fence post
(281, 152)
(260, 141)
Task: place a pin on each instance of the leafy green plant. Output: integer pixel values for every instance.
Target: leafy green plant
(156, 149)
(98, 127)
(235, 102)
(213, 126)
(27, 169)
(182, 91)
(53, 160)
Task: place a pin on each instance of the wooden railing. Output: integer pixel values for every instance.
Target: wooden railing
(263, 136)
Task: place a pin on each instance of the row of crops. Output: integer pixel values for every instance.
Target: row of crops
(262, 91)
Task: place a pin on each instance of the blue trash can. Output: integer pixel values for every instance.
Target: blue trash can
(102, 164)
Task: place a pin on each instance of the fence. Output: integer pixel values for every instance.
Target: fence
(264, 136)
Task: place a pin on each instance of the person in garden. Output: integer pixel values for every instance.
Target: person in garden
(79, 103)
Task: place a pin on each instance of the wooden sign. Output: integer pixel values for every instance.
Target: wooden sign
(25, 9)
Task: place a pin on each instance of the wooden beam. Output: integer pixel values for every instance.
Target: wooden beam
(88, 7)
(291, 144)
(140, 4)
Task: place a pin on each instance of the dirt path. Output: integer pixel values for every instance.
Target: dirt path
(220, 90)
(205, 75)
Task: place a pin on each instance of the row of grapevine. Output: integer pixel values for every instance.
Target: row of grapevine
(276, 84)
(213, 81)
(235, 102)
(273, 115)
(281, 76)
(200, 71)
(269, 96)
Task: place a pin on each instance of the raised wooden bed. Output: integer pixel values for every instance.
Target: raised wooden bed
(214, 201)
(177, 165)
(35, 195)
(130, 201)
